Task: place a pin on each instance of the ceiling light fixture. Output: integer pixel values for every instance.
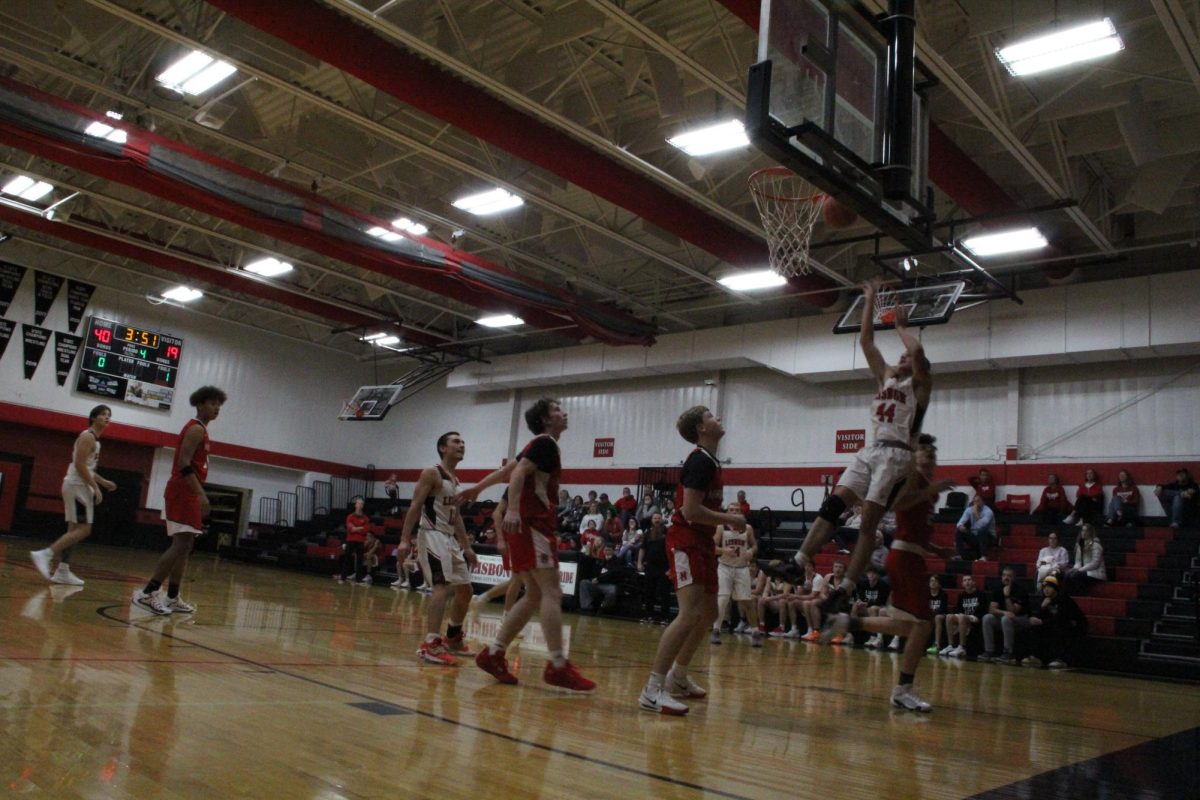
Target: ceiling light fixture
(1080, 43)
(712, 139)
(183, 294)
(406, 224)
(751, 281)
(387, 340)
(1014, 241)
(27, 188)
(195, 73)
(500, 321)
(103, 131)
(493, 201)
(384, 234)
(268, 267)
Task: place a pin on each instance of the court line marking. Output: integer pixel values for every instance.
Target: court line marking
(102, 611)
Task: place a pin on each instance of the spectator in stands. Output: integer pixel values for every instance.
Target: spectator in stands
(1089, 500)
(1057, 626)
(939, 604)
(743, 503)
(879, 555)
(392, 490)
(598, 592)
(811, 608)
(592, 516)
(668, 505)
(1054, 504)
(777, 597)
(1179, 499)
(564, 502)
(967, 613)
(358, 525)
(371, 550)
(613, 529)
(983, 486)
(1008, 612)
(569, 521)
(810, 589)
(605, 506)
(652, 563)
(631, 542)
(592, 498)
(626, 504)
(1123, 508)
(591, 540)
(1089, 566)
(645, 511)
(870, 600)
(847, 531)
(1052, 559)
(976, 530)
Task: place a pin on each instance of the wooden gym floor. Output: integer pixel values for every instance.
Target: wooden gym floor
(291, 686)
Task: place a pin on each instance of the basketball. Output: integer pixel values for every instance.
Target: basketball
(358, 413)
(838, 215)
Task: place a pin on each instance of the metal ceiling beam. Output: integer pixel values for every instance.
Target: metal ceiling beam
(403, 140)
(1183, 38)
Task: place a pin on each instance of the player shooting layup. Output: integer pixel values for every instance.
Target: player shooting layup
(878, 469)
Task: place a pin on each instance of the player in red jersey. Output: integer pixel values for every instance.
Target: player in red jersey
(529, 531)
(908, 608)
(692, 553)
(185, 506)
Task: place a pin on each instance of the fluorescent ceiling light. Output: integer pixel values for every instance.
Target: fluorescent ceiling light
(749, 281)
(102, 131)
(27, 188)
(183, 294)
(1081, 43)
(370, 337)
(500, 321)
(386, 340)
(384, 233)
(406, 224)
(713, 139)
(268, 267)
(195, 73)
(1014, 241)
(492, 201)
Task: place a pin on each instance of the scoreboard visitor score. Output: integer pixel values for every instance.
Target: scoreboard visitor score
(129, 364)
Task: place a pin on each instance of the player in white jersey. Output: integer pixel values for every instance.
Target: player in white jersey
(736, 548)
(878, 469)
(442, 550)
(81, 492)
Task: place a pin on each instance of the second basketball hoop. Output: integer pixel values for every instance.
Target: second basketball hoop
(790, 207)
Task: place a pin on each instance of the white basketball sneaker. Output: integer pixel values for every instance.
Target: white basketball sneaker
(904, 697)
(150, 602)
(660, 702)
(683, 687)
(64, 576)
(41, 560)
(177, 605)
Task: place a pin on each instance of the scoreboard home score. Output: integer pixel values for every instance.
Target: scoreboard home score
(129, 364)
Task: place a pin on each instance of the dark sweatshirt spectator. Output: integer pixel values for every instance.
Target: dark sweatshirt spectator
(1057, 624)
(1054, 505)
(1089, 500)
(984, 487)
(1179, 499)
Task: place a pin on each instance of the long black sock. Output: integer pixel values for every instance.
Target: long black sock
(453, 631)
(906, 678)
(172, 590)
(152, 587)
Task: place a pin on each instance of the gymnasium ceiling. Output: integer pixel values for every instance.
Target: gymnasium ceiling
(1117, 136)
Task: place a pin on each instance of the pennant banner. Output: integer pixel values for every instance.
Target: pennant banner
(10, 279)
(46, 288)
(6, 332)
(66, 347)
(35, 344)
(78, 297)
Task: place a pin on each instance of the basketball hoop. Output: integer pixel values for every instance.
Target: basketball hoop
(351, 410)
(789, 206)
(885, 306)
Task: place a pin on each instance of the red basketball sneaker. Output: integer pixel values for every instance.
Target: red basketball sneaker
(457, 645)
(435, 653)
(495, 664)
(567, 676)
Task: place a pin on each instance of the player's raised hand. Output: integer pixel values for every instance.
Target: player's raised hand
(464, 496)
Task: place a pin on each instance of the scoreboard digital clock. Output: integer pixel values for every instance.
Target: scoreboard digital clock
(129, 364)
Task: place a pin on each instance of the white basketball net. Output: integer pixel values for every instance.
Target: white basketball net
(789, 206)
(885, 304)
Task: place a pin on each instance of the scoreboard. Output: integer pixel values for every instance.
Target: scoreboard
(129, 364)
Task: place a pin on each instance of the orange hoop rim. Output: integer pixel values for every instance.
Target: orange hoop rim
(781, 172)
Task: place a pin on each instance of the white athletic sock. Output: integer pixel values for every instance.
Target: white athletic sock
(678, 671)
(558, 659)
(656, 681)
(430, 638)
(495, 647)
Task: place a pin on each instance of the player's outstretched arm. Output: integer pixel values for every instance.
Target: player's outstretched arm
(471, 493)
(429, 478)
(922, 380)
(866, 338)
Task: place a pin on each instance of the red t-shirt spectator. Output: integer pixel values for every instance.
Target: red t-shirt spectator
(357, 526)
(626, 504)
(1095, 491)
(985, 490)
(1054, 498)
(613, 528)
(1128, 494)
